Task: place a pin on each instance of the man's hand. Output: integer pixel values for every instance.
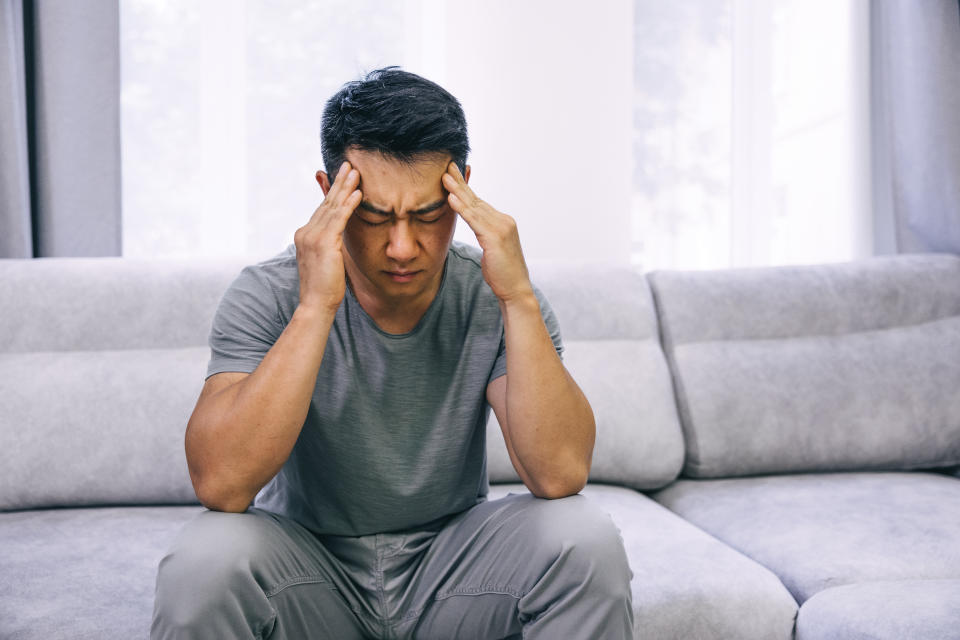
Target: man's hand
(320, 243)
(503, 265)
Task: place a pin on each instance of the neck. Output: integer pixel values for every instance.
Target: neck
(392, 314)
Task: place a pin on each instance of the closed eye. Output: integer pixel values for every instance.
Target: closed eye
(372, 223)
(374, 217)
(433, 216)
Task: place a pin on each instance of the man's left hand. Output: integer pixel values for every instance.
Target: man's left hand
(503, 265)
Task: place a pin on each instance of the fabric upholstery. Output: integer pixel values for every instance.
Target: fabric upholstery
(882, 399)
(101, 363)
(886, 610)
(817, 368)
(63, 304)
(817, 531)
(610, 333)
(97, 427)
(94, 306)
(83, 574)
(686, 584)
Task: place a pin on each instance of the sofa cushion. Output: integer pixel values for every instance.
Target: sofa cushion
(612, 349)
(889, 610)
(101, 362)
(83, 573)
(686, 584)
(817, 531)
(97, 427)
(59, 304)
(848, 366)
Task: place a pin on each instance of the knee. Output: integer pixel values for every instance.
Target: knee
(585, 537)
(210, 558)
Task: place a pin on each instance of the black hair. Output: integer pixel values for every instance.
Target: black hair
(397, 113)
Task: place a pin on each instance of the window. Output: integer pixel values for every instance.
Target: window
(221, 103)
(751, 133)
(695, 134)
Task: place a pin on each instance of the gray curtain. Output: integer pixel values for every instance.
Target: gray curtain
(915, 78)
(59, 128)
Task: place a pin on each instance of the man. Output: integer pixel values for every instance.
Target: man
(347, 394)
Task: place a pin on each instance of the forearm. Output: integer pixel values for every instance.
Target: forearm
(550, 422)
(240, 437)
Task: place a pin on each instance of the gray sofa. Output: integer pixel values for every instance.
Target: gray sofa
(779, 446)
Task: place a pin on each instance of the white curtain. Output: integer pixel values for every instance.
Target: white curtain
(916, 98)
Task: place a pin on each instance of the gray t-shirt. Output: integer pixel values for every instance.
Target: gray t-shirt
(395, 436)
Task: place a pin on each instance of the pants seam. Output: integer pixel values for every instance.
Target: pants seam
(300, 580)
(307, 579)
(505, 590)
(476, 591)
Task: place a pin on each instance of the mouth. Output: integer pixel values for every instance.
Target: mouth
(402, 276)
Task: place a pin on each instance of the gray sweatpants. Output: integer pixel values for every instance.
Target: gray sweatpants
(515, 567)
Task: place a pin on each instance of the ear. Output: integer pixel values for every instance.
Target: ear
(324, 181)
(466, 173)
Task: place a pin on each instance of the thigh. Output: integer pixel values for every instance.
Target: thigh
(253, 574)
(495, 570)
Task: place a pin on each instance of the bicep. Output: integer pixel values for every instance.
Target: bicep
(212, 388)
(218, 382)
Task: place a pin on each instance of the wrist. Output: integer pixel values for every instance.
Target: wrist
(315, 313)
(521, 302)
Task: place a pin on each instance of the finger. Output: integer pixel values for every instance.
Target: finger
(344, 185)
(469, 214)
(342, 189)
(337, 221)
(459, 195)
(456, 178)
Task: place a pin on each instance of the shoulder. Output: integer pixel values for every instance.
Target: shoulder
(274, 281)
(463, 270)
(465, 257)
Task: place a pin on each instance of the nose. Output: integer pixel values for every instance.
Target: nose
(402, 246)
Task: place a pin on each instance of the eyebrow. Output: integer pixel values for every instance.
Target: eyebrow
(422, 210)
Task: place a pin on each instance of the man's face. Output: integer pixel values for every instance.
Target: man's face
(397, 239)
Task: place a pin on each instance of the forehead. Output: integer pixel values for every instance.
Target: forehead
(387, 181)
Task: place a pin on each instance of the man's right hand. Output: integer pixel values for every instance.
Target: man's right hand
(320, 243)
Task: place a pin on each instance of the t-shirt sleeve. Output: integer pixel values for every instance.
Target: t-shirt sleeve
(553, 328)
(245, 325)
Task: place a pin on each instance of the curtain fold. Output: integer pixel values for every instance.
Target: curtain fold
(60, 129)
(915, 51)
(15, 228)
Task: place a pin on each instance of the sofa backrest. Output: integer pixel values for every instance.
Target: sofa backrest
(101, 362)
(612, 349)
(831, 367)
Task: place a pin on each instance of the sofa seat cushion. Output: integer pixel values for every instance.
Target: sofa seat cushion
(818, 531)
(887, 610)
(686, 584)
(83, 573)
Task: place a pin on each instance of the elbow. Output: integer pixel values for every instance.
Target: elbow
(222, 501)
(562, 485)
(216, 497)
(213, 488)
